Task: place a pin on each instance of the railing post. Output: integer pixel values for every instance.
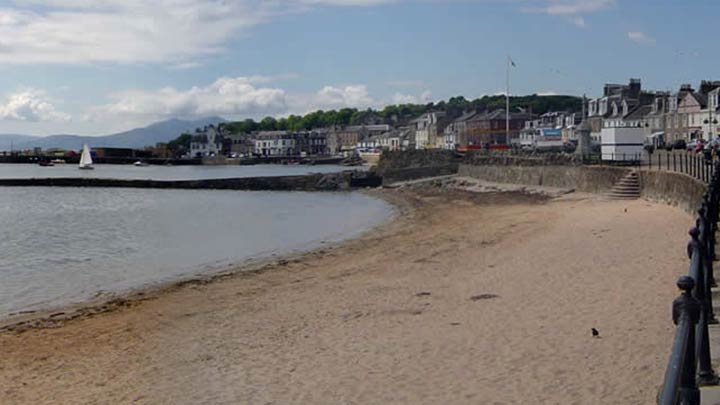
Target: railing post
(714, 206)
(706, 375)
(680, 386)
(706, 231)
(697, 168)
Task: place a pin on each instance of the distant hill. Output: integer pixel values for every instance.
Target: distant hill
(10, 141)
(162, 131)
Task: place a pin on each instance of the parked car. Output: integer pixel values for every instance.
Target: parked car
(695, 145)
(678, 144)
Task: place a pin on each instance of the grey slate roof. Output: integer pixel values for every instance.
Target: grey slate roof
(701, 99)
(638, 113)
(466, 116)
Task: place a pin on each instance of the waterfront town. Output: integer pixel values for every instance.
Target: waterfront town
(664, 118)
(359, 202)
(681, 119)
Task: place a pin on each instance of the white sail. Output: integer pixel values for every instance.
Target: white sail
(85, 158)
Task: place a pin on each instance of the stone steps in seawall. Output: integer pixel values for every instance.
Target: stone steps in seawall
(627, 188)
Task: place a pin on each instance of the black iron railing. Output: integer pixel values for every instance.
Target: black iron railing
(689, 366)
(697, 165)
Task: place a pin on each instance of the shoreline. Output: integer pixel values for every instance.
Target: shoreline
(464, 297)
(58, 316)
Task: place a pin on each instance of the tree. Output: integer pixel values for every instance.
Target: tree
(179, 145)
(402, 114)
(268, 124)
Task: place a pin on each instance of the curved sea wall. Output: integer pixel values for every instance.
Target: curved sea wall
(675, 189)
(582, 178)
(311, 182)
(396, 166)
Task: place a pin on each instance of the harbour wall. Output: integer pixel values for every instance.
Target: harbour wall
(312, 182)
(396, 166)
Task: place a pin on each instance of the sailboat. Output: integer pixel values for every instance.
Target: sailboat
(85, 159)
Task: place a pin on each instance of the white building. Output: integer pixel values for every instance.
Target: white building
(277, 143)
(709, 117)
(391, 140)
(429, 129)
(207, 142)
(623, 143)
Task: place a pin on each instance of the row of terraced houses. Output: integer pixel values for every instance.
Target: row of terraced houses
(687, 114)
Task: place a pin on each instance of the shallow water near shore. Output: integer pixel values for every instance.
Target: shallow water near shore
(60, 246)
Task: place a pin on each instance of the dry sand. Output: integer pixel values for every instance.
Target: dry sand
(465, 298)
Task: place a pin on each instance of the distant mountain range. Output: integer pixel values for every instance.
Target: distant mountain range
(162, 131)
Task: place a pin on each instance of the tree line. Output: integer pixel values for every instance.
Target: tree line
(396, 115)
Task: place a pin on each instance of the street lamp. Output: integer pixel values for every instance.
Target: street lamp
(714, 122)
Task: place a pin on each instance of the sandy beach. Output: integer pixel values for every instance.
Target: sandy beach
(464, 298)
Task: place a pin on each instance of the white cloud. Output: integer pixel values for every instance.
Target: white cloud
(177, 32)
(640, 38)
(399, 98)
(226, 96)
(578, 21)
(329, 97)
(571, 10)
(134, 31)
(185, 65)
(30, 105)
(233, 98)
(547, 93)
(572, 7)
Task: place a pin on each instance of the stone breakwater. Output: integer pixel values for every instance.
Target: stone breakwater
(312, 182)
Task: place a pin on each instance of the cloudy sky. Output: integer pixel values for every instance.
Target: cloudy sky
(100, 66)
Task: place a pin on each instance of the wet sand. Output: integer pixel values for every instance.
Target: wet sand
(465, 298)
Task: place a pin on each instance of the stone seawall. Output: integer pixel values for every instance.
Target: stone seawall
(397, 166)
(312, 182)
(674, 189)
(582, 178)
(393, 160)
(394, 175)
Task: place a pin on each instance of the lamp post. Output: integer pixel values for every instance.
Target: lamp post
(711, 121)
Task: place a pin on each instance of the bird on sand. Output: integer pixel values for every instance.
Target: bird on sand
(595, 333)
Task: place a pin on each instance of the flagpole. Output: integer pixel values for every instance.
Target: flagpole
(507, 102)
